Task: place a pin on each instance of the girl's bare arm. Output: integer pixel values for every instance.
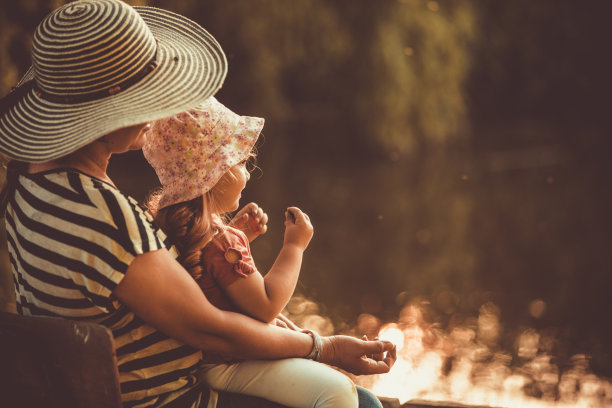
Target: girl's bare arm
(265, 297)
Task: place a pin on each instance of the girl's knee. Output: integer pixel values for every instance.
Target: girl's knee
(338, 392)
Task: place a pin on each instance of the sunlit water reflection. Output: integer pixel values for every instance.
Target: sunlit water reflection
(466, 364)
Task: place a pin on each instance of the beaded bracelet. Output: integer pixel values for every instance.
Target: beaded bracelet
(317, 345)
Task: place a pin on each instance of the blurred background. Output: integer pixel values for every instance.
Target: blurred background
(450, 153)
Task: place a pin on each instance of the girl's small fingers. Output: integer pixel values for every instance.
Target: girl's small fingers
(241, 222)
(299, 214)
(260, 222)
(280, 323)
(259, 214)
(260, 227)
(292, 214)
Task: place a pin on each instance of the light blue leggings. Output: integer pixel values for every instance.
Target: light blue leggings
(230, 400)
(294, 382)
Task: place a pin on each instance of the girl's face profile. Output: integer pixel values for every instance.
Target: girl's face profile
(228, 190)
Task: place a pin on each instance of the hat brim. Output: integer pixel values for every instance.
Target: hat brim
(191, 67)
(175, 192)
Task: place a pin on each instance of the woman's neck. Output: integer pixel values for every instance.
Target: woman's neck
(91, 160)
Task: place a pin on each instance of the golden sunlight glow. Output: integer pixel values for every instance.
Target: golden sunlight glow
(466, 366)
(392, 333)
(466, 363)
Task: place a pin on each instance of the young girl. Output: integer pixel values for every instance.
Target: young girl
(200, 158)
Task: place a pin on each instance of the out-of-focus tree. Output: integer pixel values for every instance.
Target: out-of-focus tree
(421, 54)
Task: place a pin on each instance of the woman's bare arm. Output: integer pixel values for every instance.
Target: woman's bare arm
(162, 293)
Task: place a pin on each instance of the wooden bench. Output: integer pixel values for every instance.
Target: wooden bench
(52, 362)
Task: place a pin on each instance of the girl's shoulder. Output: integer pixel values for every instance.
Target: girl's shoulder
(230, 237)
(227, 257)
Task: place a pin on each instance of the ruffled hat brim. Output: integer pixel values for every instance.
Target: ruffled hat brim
(190, 152)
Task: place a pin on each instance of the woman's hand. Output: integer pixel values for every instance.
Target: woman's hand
(358, 356)
(298, 229)
(251, 220)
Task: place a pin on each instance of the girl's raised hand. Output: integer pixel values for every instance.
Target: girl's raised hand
(298, 229)
(251, 220)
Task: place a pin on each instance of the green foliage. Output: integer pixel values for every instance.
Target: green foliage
(422, 56)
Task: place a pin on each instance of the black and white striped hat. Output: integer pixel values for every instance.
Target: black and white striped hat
(101, 65)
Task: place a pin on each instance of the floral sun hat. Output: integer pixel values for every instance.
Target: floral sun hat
(191, 151)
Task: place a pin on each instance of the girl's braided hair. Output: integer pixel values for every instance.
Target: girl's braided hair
(190, 225)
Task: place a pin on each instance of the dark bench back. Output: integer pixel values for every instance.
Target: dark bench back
(51, 362)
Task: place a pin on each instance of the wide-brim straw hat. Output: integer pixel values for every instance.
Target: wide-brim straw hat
(101, 65)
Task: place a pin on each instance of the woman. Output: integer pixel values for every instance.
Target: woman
(81, 249)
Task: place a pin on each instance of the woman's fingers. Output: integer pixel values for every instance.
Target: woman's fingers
(280, 323)
(377, 356)
(351, 354)
(391, 357)
(365, 338)
(381, 360)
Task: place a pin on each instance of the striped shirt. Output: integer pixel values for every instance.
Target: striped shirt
(71, 238)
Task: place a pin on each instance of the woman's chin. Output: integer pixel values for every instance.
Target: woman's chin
(138, 143)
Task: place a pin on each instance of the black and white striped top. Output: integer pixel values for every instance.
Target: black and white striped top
(71, 238)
